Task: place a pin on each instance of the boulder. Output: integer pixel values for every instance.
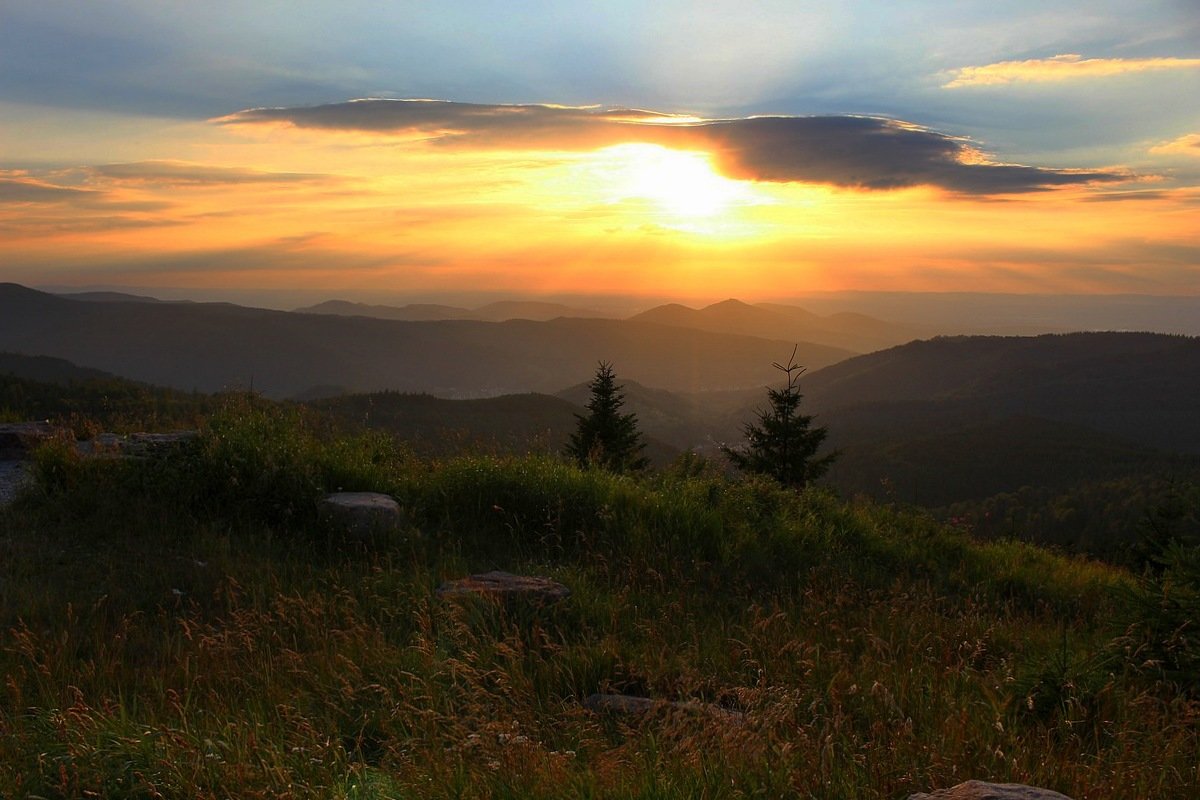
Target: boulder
(505, 586)
(361, 515)
(981, 790)
(18, 439)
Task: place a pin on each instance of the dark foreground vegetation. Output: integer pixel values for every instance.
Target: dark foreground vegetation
(188, 627)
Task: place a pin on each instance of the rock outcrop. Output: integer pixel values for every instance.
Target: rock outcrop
(19, 439)
(981, 790)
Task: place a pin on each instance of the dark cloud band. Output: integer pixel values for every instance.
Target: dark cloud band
(30, 191)
(182, 173)
(851, 151)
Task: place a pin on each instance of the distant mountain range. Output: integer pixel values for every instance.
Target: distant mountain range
(844, 330)
(113, 297)
(499, 311)
(1018, 314)
(788, 323)
(211, 346)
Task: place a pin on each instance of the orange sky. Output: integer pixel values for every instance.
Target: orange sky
(354, 214)
(675, 154)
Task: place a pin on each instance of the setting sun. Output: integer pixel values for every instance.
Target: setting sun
(680, 183)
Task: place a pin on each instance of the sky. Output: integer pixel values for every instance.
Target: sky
(380, 152)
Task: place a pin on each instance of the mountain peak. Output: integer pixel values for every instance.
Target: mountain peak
(728, 305)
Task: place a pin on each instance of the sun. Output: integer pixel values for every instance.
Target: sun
(679, 183)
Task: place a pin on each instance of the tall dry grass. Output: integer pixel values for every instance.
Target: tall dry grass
(159, 643)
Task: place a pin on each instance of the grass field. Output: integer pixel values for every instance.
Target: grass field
(188, 627)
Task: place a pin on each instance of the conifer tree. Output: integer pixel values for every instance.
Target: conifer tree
(783, 444)
(605, 437)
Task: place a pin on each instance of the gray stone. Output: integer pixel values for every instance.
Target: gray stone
(14, 476)
(980, 790)
(19, 439)
(148, 444)
(102, 445)
(361, 515)
(621, 703)
(628, 705)
(506, 586)
(135, 445)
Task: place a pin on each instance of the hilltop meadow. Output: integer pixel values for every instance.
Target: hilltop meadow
(190, 626)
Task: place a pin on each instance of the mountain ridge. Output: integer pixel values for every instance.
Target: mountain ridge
(857, 332)
(213, 346)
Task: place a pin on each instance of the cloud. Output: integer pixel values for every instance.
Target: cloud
(183, 173)
(1068, 66)
(286, 256)
(872, 153)
(848, 151)
(1188, 145)
(38, 226)
(18, 190)
(1139, 195)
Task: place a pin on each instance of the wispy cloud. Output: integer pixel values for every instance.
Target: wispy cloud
(27, 190)
(18, 189)
(185, 173)
(849, 151)
(1067, 66)
(1188, 145)
(1143, 195)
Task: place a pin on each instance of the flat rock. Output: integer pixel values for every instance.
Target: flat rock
(505, 585)
(14, 476)
(138, 443)
(18, 439)
(626, 704)
(135, 445)
(362, 514)
(981, 790)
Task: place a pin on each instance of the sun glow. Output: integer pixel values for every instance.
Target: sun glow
(680, 183)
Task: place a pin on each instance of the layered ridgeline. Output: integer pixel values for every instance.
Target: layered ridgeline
(790, 323)
(499, 311)
(212, 346)
(775, 321)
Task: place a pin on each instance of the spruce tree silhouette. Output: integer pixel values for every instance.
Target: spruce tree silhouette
(783, 444)
(607, 438)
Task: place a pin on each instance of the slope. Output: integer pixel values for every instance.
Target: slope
(1137, 386)
(519, 423)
